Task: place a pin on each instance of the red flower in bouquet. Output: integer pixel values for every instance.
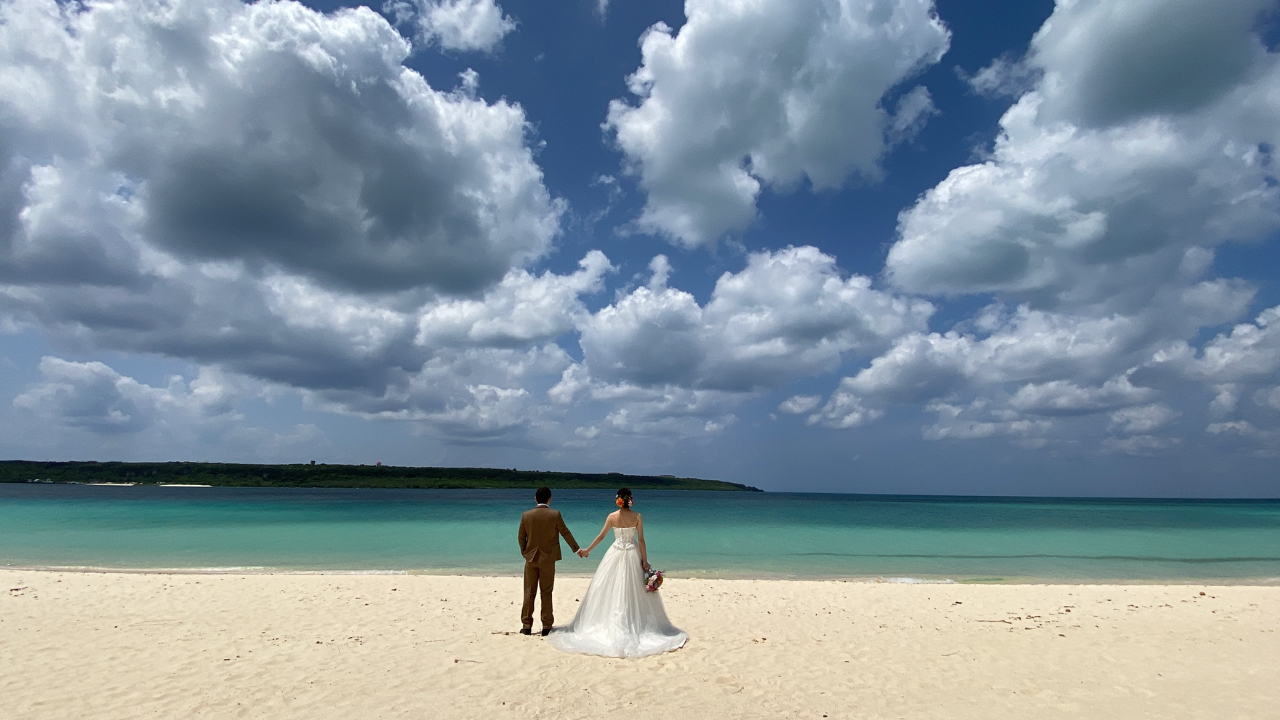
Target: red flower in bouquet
(653, 580)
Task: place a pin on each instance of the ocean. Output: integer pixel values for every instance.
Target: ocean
(689, 534)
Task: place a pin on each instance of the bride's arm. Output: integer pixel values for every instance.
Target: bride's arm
(608, 523)
(644, 553)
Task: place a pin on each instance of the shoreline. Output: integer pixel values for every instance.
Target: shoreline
(1261, 581)
(322, 646)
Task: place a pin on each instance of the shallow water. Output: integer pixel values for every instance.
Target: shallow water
(689, 533)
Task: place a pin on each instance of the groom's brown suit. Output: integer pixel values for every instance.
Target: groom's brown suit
(540, 531)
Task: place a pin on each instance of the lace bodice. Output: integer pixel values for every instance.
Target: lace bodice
(624, 538)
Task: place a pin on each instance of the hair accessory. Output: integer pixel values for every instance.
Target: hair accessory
(620, 502)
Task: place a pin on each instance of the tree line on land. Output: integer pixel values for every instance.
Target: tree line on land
(337, 476)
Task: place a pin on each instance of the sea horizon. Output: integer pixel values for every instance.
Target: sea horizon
(869, 495)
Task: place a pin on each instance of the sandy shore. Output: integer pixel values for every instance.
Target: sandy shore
(101, 645)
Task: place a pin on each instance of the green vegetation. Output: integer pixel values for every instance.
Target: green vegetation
(337, 476)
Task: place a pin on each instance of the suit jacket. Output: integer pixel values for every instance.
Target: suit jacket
(540, 531)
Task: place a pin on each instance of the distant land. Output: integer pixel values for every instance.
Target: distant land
(322, 475)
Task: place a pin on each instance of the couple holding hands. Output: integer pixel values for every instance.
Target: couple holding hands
(618, 615)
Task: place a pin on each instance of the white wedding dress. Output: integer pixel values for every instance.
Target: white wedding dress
(617, 616)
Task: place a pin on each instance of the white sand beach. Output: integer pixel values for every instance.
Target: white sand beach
(130, 645)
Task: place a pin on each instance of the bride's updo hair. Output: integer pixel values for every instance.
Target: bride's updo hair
(624, 498)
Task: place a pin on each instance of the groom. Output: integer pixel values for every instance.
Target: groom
(540, 531)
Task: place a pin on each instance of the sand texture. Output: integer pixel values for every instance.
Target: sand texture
(101, 645)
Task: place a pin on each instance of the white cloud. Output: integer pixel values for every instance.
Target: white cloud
(1142, 140)
(1063, 397)
(799, 404)
(787, 314)
(1076, 217)
(267, 189)
(844, 410)
(663, 364)
(1003, 77)
(668, 411)
(1269, 397)
(520, 310)
(474, 390)
(119, 411)
(1072, 210)
(454, 24)
(768, 93)
(1224, 402)
(957, 423)
(1028, 347)
(1251, 351)
(1109, 62)
(93, 396)
(1016, 366)
(265, 133)
(573, 380)
(1244, 435)
(1142, 419)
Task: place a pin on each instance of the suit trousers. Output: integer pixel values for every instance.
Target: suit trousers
(539, 575)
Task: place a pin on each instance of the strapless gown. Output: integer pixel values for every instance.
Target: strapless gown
(617, 616)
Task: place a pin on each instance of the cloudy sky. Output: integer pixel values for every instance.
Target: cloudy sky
(1004, 247)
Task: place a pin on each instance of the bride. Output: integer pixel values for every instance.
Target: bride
(617, 616)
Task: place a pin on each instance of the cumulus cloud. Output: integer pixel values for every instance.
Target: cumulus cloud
(787, 314)
(667, 411)
(265, 188)
(268, 134)
(959, 423)
(1063, 397)
(471, 394)
(844, 410)
(1240, 363)
(1032, 349)
(1107, 62)
(520, 310)
(667, 365)
(755, 94)
(1072, 210)
(1141, 141)
(1269, 397)
(1249, 352)
(799, 404)
(93, 397)
(1142, 419)
(453, 24)
(1018, 367)
(1003, 77)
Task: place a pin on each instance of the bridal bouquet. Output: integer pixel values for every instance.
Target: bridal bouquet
(652, 580)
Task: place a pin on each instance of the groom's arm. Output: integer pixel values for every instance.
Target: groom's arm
(564, 530)
(524, 536)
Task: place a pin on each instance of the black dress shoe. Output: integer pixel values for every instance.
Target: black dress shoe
(526, 631)
(546, 632)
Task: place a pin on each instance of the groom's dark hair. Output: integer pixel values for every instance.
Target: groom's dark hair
(542, 495)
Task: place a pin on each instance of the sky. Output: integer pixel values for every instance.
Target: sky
(1008, 247)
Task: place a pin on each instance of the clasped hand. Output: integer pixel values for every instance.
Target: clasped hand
(583, 553)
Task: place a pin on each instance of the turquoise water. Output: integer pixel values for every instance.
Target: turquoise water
(689, 533)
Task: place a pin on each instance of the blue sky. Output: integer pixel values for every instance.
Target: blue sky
(861, 246)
